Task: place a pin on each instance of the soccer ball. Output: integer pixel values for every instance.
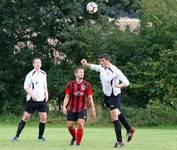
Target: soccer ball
(92, 7)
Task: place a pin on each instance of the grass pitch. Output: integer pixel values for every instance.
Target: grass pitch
(95, 138)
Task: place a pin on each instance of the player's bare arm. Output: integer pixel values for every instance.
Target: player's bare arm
(46, 94)
(90, 98)
(65, 103)
(30, 92)
(121, 85)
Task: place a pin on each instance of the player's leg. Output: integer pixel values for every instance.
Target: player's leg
(80, 130)
(42, 109)
(130, 130)
(72, 131)
(113, 105)
(21, 125)
(42, 124)
(71, 118)
(29, 109)
(82, 116)
(116, 100)
(117, 126)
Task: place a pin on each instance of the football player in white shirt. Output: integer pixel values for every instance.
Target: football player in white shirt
(113, 80)
(35, 86)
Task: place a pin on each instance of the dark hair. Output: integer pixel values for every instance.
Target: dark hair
(105, 56)
(36, 59)
(78, 68)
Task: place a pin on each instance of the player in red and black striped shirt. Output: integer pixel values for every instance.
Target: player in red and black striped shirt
(77, 93)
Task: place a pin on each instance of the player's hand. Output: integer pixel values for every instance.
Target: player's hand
(64, 111)
(119, 85)
(34, 98)
(46, 98)
(84, 62)
(93, 114)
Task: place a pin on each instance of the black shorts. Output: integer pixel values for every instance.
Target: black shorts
(32, 106)
(74, 116)
(112, 101)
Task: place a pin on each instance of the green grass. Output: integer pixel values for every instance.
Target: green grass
(95, 138)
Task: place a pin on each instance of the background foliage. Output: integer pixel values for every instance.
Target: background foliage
(146, 56)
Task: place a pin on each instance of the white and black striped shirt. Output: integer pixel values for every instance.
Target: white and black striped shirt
(109, 78)
(37, 82)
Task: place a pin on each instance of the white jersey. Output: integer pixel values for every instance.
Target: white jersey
(36, 82)
(109, 78)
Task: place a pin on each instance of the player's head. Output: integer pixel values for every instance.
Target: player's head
(37, 63)
(79, 72)
(104, 60)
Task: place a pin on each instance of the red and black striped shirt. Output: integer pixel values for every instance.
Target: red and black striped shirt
(78, 95)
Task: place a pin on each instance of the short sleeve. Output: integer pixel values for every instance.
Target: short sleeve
(89, 89)
(45, 81)
(28, 81)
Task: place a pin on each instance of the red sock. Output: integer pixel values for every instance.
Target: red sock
(72, 132)
(79, 135)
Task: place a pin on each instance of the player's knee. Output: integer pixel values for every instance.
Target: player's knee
(43, 118)
(26, 117)
(114, 115)
(70, 126)
(118, 112)
(80, 124)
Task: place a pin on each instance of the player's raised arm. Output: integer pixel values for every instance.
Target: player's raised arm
(65, 103)
(91, 66)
